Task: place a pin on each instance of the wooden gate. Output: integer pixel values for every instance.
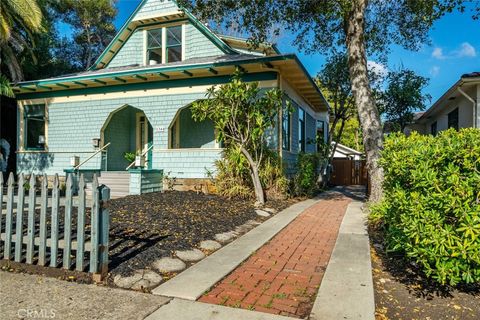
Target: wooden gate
(346, 172)
(56, 234)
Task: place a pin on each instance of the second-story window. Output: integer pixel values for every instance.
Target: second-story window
(173, 51)
(154, 46)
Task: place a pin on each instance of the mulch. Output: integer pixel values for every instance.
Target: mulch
(147, 227)
(402, 291)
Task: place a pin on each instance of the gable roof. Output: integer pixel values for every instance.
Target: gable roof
(174, 14)
(457, 89)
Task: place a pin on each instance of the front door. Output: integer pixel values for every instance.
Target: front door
(141, 132)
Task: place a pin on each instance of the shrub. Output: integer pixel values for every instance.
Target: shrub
(431, 205)
(232, 176)
(305, 180)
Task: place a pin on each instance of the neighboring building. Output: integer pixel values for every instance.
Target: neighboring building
(457, 108)
(137, 95)
(344, 152)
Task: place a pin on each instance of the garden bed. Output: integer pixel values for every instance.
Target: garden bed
(148, 227)
(403, 292)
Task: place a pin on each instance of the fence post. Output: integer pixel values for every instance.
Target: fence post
(80, 225)
(94, 226)
(104, 226)
(67, 232)
(54, 227)
(7, 249)
(43, 221)
(31, 219)
(19, 221)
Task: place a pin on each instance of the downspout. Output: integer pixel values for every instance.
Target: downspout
(280, 121)
(474, 105)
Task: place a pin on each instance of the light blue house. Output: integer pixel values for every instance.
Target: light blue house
(136, 98)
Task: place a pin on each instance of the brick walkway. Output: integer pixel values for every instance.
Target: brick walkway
(284, 275)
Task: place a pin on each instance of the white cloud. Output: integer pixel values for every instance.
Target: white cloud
(434, 71)
(379, 69)
(438, 53)
(466, 50)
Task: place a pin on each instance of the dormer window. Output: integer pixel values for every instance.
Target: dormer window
(154, 46)
(174, 44)
(164, 45)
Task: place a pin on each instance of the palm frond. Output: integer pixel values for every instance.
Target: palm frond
(26, 11)
(5, 87)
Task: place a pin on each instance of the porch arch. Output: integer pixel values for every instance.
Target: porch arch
(186, 133)
(127, 129)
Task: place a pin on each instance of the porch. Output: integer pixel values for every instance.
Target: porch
(130, 155)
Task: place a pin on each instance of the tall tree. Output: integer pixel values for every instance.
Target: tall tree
(56, 52)
(19, 20)
(322, 26)
(242, 116)
(402, 97)
(92, 22)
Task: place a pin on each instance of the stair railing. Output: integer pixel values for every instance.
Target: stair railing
(91, 156)
(141, 155)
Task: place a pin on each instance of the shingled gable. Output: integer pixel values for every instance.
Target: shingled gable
(154, 13)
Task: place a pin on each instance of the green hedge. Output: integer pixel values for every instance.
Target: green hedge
(431, 205)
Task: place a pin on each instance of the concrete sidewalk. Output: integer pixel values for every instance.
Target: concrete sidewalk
(347, 291)
(24, 296)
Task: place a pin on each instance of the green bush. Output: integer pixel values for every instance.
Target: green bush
(232, 176)
(431, 205)
(305, 180)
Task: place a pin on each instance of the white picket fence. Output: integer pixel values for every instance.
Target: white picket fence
(69, 236)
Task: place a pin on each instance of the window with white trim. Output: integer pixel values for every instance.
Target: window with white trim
(173, 51)
(35, 121)
(154, 46)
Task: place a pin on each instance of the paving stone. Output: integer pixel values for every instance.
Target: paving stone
(127, 282)
(225, 237)
(141, 278)
(270, 210)
(169, 265)
(190, 255)
(262, 213)
(210, 245)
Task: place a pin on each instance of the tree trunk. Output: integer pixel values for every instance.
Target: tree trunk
(257, 185)
(367, 109)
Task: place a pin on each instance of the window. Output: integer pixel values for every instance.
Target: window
(174, 44)
(433, 128)
(320, 134)
(286, 129)
(453, 119)
(301, 130)
(154, 46)
(35, 127)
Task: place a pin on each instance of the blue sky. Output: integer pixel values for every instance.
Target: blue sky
(454, 50)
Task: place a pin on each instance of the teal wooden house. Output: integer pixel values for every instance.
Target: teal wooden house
(136, 98)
